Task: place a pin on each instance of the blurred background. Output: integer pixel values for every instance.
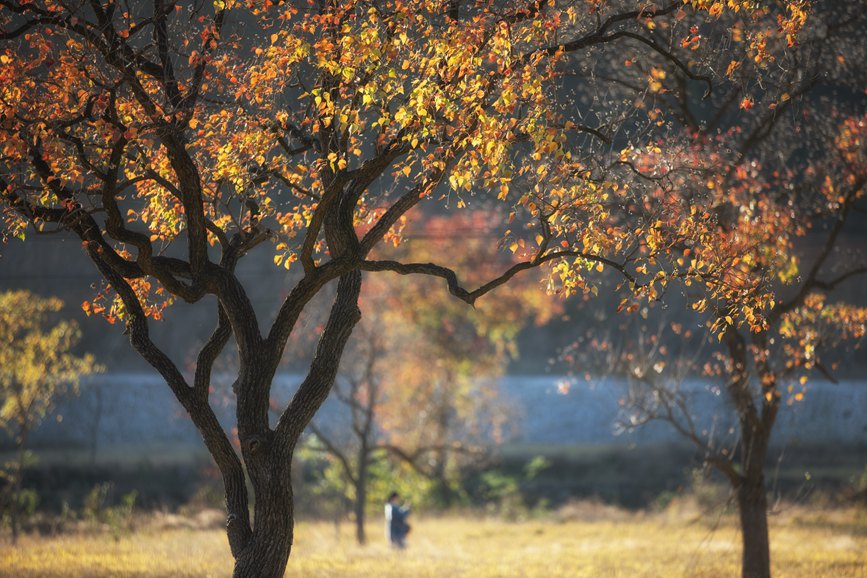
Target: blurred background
(471, 408)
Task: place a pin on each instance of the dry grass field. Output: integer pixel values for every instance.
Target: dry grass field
(588, 541)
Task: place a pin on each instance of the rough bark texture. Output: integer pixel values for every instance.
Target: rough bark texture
(267, 453)
(267, 552)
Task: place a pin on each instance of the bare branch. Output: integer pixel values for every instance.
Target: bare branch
(470, 297)
(332, 449)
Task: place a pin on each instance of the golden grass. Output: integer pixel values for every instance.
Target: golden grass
(805, 545)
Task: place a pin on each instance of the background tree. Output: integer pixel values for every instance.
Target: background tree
(786, 177)
(36, 367)
(174, 138)
(419, 379)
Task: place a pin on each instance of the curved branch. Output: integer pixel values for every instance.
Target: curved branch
(811, 281)
(209, 353)
(137, 326)
(456, 289)
(666, 54)
(331, 448)
(307, 288)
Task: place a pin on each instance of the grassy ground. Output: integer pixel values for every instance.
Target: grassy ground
(586, 542)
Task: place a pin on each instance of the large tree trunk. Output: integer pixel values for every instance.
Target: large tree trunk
(267, 452)
(753, 509)
(267, 552)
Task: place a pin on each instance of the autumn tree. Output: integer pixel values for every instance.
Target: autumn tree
(419, 381)
(782, 169)
(172, 139)
(36, 367)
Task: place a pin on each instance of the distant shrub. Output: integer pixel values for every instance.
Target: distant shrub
(117, 518)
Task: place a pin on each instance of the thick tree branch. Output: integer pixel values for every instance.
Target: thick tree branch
(307, 288)
(196, 406)
(209, 353)
(316, 386)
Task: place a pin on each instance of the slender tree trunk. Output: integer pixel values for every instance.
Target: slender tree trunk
(443, 489)
(361, 495)
(360, 501)
(15, 501)
(756, 426)
(753, 509)
(17, 486)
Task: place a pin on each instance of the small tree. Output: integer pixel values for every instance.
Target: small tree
(786, 203)
(781, 168)
(36, 368)
(419, 381)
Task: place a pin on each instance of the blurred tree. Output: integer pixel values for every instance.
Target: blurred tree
(36, 367)
(174, 138)
(786, 168)
(419, 379)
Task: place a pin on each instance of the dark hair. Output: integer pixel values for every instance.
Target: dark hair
(393, 495)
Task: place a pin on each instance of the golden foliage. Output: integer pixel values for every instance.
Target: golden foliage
(35, 360)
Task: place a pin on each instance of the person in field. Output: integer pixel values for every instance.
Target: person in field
(396, 526)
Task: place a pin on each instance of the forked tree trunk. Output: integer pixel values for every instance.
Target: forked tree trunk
(753, 510)
(264, 551)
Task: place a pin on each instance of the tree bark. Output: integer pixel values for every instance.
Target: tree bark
(267, 552)
(753, 509)
(267, 453)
